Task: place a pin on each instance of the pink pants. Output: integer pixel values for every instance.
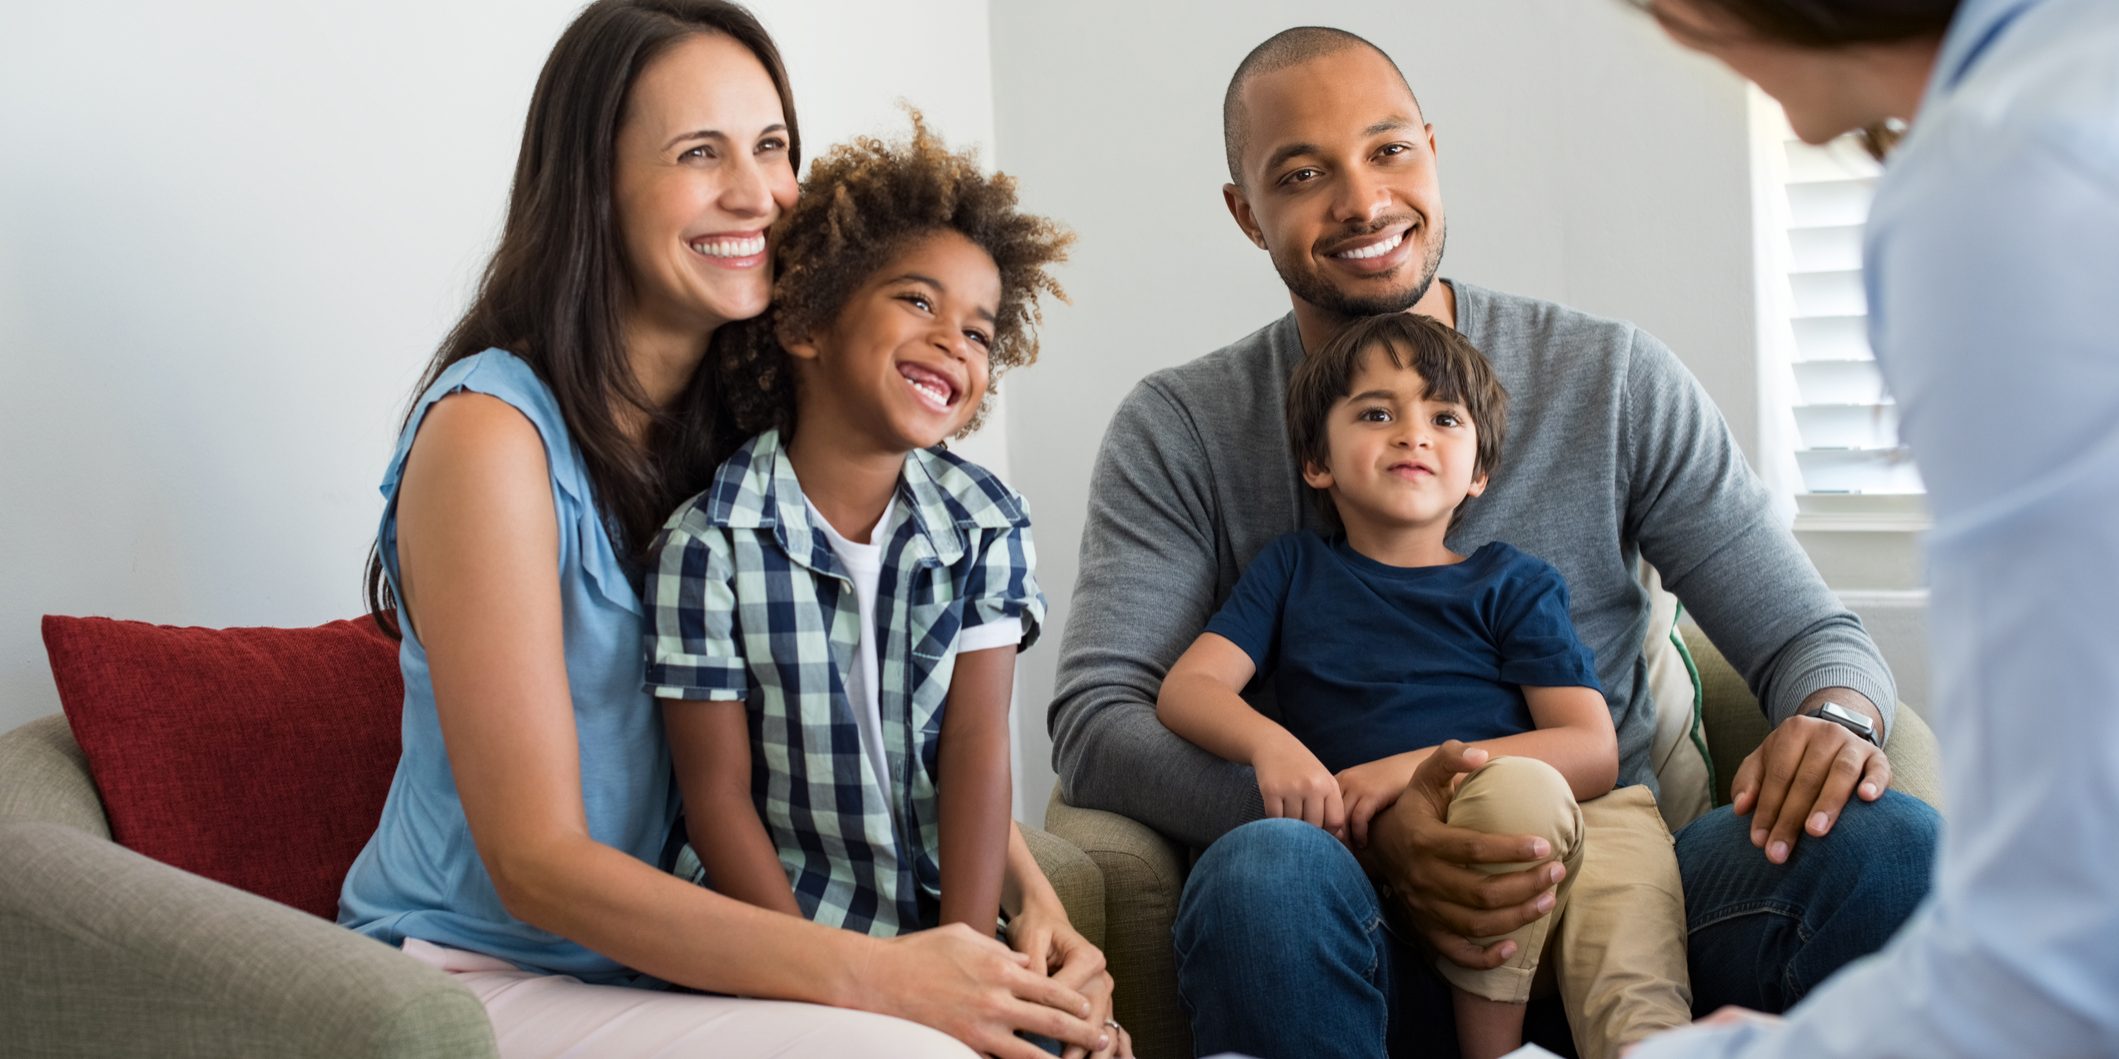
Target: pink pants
(554, 1015)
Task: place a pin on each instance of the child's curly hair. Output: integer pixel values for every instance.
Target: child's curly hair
(861, 204)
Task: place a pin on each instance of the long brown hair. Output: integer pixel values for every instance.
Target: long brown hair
(553, 291)
(1826, 24)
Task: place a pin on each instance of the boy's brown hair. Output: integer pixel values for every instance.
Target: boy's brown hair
(1452, 367)
(861, 204)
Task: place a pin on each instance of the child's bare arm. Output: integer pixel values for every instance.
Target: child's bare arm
(1201, 700)
(972, 778)
(1574, 735)
(710, 749)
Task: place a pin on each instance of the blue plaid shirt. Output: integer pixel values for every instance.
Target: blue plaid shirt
(747, 601)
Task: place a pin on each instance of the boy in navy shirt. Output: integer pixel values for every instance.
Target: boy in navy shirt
(1381, 644)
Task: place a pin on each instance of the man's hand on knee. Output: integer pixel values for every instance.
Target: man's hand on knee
(1431, 870)
(1798, 781)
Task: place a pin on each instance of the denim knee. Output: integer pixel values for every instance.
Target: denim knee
(1271, 886)
(1281, 949)
(1886, 854)
(1879, 854)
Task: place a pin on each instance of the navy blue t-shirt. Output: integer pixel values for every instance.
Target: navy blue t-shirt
(1369, 660)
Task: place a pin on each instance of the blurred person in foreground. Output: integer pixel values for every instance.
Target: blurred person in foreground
(1990, 263)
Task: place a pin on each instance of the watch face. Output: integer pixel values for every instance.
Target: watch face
(1858, 723)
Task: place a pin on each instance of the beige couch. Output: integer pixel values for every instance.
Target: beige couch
(1143, 872)
(104, 952)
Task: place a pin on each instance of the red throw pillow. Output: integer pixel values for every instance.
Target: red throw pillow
(255, 757)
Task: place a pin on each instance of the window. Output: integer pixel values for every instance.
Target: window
(1830, 438)
(1836, 417)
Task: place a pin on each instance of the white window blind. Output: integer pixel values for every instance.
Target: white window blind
(1846, 428)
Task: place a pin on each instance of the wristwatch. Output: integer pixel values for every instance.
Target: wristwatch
(1853, 720)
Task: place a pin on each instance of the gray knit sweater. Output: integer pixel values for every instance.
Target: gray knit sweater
(1613, 452)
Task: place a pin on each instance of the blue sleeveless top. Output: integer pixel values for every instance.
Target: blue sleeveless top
(420, 875)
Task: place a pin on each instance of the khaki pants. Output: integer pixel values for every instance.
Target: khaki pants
(1615, 942)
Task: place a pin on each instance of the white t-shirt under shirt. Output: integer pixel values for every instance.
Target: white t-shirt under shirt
(864, 564)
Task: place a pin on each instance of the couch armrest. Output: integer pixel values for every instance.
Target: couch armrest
(105, 952)
(43, 776)
(1075, 877)
(1143, 874)
(1916, 758)
(1736, 725)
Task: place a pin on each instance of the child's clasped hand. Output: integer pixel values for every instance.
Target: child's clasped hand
(1297, 786)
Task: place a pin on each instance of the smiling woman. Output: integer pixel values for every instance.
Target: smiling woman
(560, 296)
(523, 847)
(694, 191)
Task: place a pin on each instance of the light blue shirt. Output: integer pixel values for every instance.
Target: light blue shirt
(420, 876)
(1993, 270)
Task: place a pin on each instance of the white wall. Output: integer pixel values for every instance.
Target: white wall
(231, 233)
(1583, 159)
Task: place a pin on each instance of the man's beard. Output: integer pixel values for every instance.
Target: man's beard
(1313, 288)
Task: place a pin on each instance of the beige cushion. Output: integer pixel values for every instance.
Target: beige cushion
(1684, 770)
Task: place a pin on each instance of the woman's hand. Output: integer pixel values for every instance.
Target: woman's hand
(976, 990)
(1043, 933)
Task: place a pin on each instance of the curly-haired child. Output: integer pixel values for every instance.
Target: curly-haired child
(836, 618)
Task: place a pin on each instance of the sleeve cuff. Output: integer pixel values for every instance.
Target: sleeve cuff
(695, 683)
(1698, 1042)
(1005, 632)
(1839, 675)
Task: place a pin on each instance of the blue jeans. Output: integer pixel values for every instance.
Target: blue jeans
(1282, 950)
(1764, 934)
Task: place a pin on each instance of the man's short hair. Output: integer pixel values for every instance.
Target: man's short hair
(1286, 48)
(1452, 367)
